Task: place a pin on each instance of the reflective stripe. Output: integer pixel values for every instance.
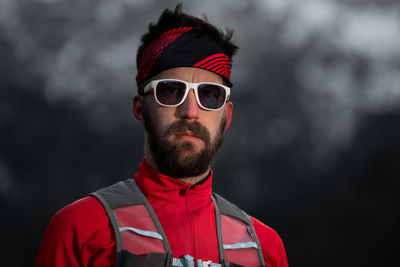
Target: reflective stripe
(141, 232)
(241, 245)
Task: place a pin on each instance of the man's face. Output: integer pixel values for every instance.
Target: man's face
(183, 140)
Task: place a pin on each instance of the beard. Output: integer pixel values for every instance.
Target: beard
(179, 159)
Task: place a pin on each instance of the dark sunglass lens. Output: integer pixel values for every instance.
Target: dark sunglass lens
(211, 96)
(170, 92)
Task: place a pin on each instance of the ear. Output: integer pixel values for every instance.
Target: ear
(228, 113)
(138, 108)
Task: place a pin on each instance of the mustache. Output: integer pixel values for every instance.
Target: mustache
(195, 127)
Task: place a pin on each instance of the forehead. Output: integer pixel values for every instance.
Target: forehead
(189, 74)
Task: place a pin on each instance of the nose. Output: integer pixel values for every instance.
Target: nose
(189, 109)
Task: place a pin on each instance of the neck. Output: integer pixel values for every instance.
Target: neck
(189, 180)
(195, 179)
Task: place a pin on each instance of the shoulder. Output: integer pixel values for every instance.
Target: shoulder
(271, 244)
(75, 213)
(82, 216)
(80, 220)
(75, 234)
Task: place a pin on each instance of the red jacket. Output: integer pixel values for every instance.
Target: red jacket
(81, 235)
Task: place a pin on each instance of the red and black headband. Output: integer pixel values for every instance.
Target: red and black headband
(183, 47)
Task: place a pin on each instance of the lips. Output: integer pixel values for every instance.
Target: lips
(188, 130)
(188, 134)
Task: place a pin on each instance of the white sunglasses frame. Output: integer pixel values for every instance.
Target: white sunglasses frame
(194, 86)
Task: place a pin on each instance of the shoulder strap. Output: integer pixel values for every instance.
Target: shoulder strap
(121, 194)
(126, 194)
(230, 209)
(224, 207)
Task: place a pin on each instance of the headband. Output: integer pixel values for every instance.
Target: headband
(183, 47)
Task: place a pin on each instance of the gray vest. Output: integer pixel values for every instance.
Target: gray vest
(141, 241)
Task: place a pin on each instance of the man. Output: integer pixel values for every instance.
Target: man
(167, 215)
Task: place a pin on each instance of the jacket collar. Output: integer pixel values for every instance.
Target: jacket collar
(171, 194)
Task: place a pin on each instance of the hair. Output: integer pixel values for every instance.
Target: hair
(171, 19)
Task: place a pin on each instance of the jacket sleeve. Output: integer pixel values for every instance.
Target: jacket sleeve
(78, 235)
(271, 245)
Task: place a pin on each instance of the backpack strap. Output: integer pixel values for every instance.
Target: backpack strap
(121, 201)
(229, 215)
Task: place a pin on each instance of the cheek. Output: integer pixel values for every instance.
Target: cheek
(163, 118)
(214, 124)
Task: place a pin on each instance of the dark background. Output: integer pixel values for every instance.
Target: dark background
(313, 150)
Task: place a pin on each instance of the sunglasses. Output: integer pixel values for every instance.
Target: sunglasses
(172, 93)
